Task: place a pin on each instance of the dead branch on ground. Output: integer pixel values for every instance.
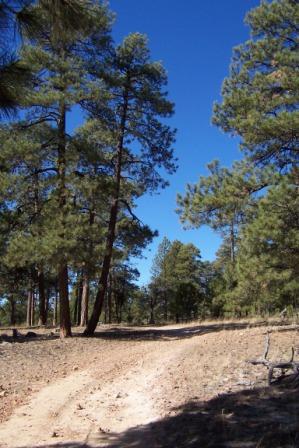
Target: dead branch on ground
(283, 366)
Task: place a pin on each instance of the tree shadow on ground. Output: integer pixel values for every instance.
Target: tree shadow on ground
(260, 418)
(145, 333)
(22, 338)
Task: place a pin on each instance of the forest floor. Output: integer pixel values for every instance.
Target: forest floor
(154, 387)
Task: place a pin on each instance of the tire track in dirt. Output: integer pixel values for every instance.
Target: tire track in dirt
(91, 408)
(132, 384)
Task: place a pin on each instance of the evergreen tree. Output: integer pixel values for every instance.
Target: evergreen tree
(223, 199)
(268, 256)
(58, 52)
(181, 279)
(260, 97)
(160, 275)
(136, 143)
(15, 76)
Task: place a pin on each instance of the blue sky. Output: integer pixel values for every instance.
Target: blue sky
(194, 40)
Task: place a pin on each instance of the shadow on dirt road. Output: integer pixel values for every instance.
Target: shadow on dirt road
(144, 333)
(264, 418)
(164, 333)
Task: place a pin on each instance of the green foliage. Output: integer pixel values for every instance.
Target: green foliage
(260, 97)
(56, 189)
(256, 209)
(224, 199)
(177, 285)
(269, 251)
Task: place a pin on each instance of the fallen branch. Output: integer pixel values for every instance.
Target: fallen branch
(283, 366)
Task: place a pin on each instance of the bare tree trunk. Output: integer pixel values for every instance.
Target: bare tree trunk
(76, 306)
(152, 318)
(55, 307)
(85, 300)
(102, 287)
(12, 310)
(65, 318)
(29, 305)
(165, 307)
(120, 314)
(79, 307)
(33, 309)
(78, 300)
(232, 242)
(109, 299)
(48, 295)
(106, 309)
(42, 318)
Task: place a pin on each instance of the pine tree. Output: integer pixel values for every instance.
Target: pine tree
(180, 279)
(268, 259)
(137, 101)
(58, 52)
(15, 76)
(160, 274)
(260, 97)
(224, 198)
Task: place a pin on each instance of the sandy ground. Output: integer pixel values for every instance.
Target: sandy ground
(174, 386)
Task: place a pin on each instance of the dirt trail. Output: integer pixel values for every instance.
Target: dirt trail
(136, 383)
(90, 405)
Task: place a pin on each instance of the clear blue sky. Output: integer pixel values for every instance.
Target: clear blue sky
(194, 40)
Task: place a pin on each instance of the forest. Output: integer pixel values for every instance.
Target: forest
(68, 223)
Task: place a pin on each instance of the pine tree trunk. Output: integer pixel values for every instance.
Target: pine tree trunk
(42, 319)
(29, 306)
(85, 300)
(152, 318)
(47, 302)
(65, 321)
(76, 306)
(65, 318)
(99, 300)
(79, 308)
(109, 298)
(78, 301)
(12, 310)
(120, 314)
(165, 307)
(102, 287)
(106, 310)
(32, 309)
(55, 307)
(232, 242)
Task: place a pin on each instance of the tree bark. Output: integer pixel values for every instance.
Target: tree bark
(65, 318)
(79, 308)
(85, 300)
(78, 300)
(232, 242)
(165, 307)
(33, 309)
(102, 287)
(55, 307)
(42, 318)
(12, 310)
(29, 305)
(75, 315)
(109, 298)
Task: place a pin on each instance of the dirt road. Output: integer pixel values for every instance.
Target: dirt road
(117, 390)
